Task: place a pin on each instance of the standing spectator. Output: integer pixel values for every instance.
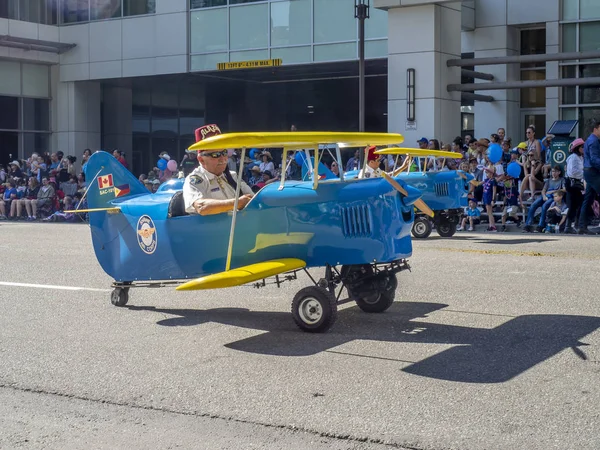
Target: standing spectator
(120, 157)
(512, 202)
(501, 133)
(189, 162)
(534, 147)
(489, 196)
(591, 174)
(574, 183)
(354, 162)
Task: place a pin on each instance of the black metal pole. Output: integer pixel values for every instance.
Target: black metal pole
(361, 73)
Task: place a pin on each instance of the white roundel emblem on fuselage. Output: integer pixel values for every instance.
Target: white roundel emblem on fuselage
(146, 235)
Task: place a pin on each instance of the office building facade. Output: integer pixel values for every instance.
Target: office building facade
(141, 75)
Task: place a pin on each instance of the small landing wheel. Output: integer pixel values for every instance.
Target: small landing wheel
(380, 300)
(314, 309)
(119, 296)
(446, 229)
(421, 228)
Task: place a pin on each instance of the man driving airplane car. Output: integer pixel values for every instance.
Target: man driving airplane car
(210, 188)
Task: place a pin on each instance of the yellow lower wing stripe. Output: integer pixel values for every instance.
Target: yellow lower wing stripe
(243, 275)
(114, 209)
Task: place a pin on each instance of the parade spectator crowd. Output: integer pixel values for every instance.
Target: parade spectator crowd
(543, 198)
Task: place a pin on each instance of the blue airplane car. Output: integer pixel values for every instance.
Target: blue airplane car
(358, 230)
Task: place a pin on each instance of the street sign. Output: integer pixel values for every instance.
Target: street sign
(411, 125)
(249, 64)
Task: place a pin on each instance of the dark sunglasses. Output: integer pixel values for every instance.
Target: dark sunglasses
(216, 155)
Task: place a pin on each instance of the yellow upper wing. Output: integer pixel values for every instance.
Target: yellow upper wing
(418, 153)
(243, 275)
(295, 139)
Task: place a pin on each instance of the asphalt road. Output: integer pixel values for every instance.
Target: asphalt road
(493, 343)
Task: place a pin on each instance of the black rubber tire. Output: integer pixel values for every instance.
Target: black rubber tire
(421, 228)
(446, 229)
(324, 317)
(380, 301)
(119, 296)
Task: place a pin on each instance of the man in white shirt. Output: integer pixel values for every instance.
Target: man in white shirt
(210, 188)
(372, 170)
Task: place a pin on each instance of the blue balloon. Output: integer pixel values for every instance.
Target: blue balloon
(161, 164)
(300, 157)
(494, 153)
(513, 170)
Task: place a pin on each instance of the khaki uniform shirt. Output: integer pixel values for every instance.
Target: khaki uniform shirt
(371, 173)
(202, 184)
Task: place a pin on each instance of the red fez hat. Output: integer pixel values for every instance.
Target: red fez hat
(371, 156)
(207, 131)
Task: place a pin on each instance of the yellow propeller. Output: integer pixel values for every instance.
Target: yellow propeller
(420, 204)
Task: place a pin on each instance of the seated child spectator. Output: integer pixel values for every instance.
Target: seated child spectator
(557, 213)
(61, 216)
(550, 186)
(10, 194)
(472, 214)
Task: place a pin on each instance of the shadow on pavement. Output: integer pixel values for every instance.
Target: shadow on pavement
(480, 355)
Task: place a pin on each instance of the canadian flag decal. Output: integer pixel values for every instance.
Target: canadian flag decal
(105, 181)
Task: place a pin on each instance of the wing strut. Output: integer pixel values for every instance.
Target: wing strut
(235, 211)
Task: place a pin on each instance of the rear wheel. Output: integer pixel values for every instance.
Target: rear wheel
(119, 296)
(446, 229)
(421, 228)
(314, 309)
(378, 300)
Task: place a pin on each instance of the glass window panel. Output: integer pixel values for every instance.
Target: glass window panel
(13, 9)
(343, 28)
(290, 23)
(335, 52)
(377, 25)
(74, 11)
(249, 55)
(4, 10)
(569, 37)
(35, 80)
(36, 114)
(209, 30)
(105, 9)
(49, 12)
(237, 2)
(533, 97)
(10, 78)
(589, 36)
(189, 120)
(589, 94)
(249, 27)
(165, 122)
(586, 117)
(29, 10)
(569, 113)
(140, 119)
(569, 96)
(138, 7)
(166, 95)
(589, 9)
(207, 62)
(376, 49)
(569, 9)
(36, 142)
(9, 113)
(9, 145)
(206, 3)
(292, 55)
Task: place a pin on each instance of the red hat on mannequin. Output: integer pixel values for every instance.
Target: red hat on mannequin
(371, 156)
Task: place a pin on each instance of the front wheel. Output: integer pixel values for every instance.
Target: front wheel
(446, 229)
(421, 228)
(314, 309)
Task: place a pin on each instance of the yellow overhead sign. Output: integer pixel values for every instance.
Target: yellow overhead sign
(249, 64)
